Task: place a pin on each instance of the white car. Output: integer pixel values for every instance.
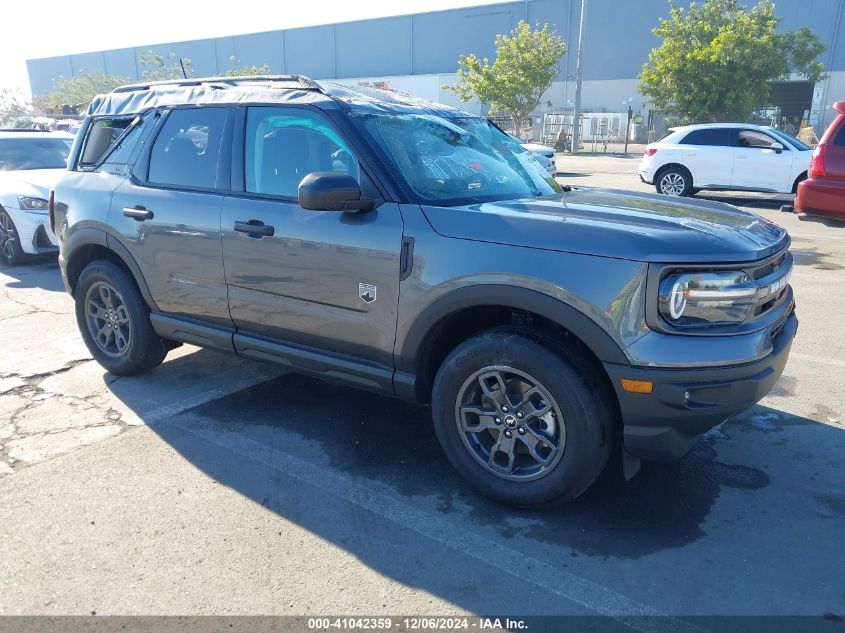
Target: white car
(735, 156)
(30, 164)
(545, 155)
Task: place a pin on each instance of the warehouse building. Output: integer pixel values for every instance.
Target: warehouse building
(418, 54)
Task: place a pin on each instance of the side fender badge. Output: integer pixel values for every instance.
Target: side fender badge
(367, 292)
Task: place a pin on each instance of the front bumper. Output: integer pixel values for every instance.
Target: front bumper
(33, 231)
(685, 403)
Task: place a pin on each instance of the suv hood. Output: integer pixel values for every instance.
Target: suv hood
(29, 182)
(622, 224)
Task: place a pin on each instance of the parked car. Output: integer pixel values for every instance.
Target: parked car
(823, 193)
(30, 163)
(415, 250)
(725, 156)
(544, 154)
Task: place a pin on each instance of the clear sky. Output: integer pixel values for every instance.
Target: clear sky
(58, 27)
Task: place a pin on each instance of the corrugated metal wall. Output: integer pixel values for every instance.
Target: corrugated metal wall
(618, 39)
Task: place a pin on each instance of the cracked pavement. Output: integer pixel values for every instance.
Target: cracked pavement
(55, 399)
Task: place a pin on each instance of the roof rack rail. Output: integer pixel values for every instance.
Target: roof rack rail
(297, 81)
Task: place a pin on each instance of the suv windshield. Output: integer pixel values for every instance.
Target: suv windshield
(33, 153)
(453, 161)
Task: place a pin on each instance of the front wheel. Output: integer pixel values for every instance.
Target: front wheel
(674, 181)
(521, 423)
(11, 252)
(114, 320)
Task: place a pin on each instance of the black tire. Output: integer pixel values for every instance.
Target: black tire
(673, 180)
(11, 252)
(125, 318)
(584, 424)
(801, 178)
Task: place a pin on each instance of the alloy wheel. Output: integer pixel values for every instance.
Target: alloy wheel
(108, 319)
(510, 423)
(672, 184)
(7, 237)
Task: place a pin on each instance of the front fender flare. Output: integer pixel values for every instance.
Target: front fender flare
(593, 336)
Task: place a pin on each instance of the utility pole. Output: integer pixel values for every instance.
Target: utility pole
(576, 117)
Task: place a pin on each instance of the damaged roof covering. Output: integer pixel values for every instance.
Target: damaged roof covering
(263, 89)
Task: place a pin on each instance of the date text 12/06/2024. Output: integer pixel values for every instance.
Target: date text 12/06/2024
(416, 623)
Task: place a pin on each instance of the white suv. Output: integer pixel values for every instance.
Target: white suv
(725, 156)
(30, 164)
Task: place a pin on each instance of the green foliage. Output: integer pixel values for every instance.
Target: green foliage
(12, 106)
(246, 71)
(717, 59)
(158, 68)
(78, 91)
(526, 64)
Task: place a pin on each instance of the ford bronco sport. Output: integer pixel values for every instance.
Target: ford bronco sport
(416, 250)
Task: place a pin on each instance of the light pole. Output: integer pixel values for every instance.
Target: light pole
(576, 115)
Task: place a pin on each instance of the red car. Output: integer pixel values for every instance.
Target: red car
(823, 193)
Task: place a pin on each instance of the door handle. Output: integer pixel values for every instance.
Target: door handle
(254, 228)
(138, 212)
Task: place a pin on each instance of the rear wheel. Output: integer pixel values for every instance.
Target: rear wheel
(674, 181)
(518, 421)
(11, 252)
(114, 320)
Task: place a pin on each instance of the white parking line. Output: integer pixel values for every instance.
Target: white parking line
(579, 590)
(237, 384)
(833, 362)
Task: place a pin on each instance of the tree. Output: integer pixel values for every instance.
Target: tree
(717, 60)
(526, 64)
(12, 106)
(77, 92)
(158, 68)
(246, 71)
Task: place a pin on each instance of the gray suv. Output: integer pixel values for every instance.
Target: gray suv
(415, 250)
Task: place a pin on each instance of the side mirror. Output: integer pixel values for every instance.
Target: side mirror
(778, 147)
(332, 191)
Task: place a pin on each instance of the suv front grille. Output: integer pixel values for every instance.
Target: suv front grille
(772, 273)
(770, 266)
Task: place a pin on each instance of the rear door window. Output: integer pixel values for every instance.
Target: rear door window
(714, 136)
(187, 149)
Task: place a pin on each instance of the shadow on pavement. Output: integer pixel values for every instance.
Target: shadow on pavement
(388, 449)
(772, 202)
(829, 222)
(40, 271)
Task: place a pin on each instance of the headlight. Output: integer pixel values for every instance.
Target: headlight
(32, 204)
(706, 299)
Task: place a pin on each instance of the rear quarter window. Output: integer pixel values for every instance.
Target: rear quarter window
(103, 134)
(708, 136)
(839, 137)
